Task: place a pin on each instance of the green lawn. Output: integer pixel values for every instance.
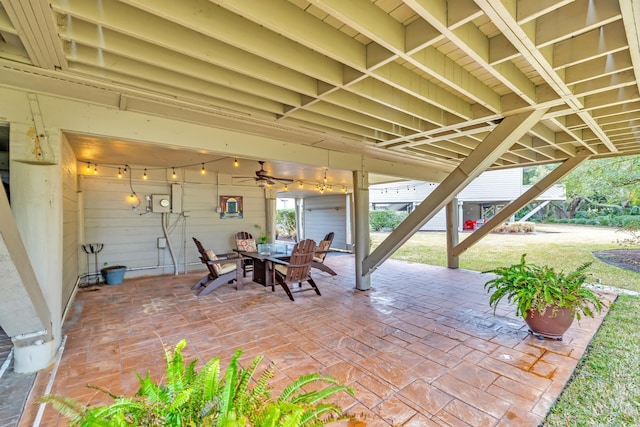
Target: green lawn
(605, 389)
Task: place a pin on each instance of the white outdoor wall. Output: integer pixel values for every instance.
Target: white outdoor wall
(494, 185)
(70, 245)
(130, 238)
(325, 214)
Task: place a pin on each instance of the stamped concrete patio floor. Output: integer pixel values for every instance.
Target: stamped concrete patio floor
(421, 348)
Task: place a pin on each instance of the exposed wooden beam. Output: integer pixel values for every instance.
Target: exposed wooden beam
(497, 143)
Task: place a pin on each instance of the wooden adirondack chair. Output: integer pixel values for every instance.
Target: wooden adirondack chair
(246, 242)
(221, 271)
(296, 270)
(321, 254)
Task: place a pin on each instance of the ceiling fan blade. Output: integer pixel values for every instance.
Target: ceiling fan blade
(282, 179)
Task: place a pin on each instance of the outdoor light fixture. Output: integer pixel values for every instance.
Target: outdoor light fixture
(144, 176)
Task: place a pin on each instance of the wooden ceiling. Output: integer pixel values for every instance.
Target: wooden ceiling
(420, 80)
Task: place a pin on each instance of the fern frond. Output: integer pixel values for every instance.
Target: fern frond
(67, 406)
(303, 381)
(317, 395)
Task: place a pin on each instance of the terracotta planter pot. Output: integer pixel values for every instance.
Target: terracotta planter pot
(543, 325)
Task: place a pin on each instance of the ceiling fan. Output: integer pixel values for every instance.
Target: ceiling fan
(263, 178)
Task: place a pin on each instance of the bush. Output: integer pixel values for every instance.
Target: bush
(516, 227)
(286, 222)
(385, 220)
(209, 398)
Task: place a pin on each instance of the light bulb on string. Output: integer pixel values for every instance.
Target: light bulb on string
(235, 162)
(173, 175)
(88, 167)
(286, 187)
(300, 184)
(203, 171)
(95, 169)
(119, 173)
(144, 175)
(132, 197)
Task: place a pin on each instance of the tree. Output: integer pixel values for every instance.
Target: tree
(609, 183)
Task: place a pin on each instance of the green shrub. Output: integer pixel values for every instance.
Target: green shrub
(207, 399)
(286, 222)
(385, 220)
(635, 210)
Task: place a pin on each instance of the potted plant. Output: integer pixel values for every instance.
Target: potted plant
(234, 398)
(547, 299)
(263, 237)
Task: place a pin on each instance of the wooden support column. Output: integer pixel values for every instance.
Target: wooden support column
(513, 207)
(494, 145)
(362, 238)
(452, 232)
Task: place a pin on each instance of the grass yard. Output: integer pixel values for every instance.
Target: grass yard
(561, 246)
(605, 388)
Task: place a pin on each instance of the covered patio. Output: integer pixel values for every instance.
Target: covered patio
(421, 348)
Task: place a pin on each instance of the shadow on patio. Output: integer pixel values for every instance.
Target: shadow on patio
(422, 348)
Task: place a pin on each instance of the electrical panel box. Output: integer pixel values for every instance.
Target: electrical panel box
(160, 203)
(162, 243)
(176, 198)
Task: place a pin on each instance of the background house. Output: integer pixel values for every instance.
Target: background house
(480, 200)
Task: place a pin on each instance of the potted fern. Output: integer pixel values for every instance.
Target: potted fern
(209, 398)
(547, 299)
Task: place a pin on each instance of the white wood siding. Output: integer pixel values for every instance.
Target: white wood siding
(131, 238)
(325, 214)
(494, 185)
(70, 245)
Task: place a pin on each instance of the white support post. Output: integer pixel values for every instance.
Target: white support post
(362, 238)
(452, 233)
(36, 202)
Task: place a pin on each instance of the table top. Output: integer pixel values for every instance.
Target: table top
(262, 255)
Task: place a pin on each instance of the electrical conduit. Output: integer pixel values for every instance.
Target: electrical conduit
(165, 219)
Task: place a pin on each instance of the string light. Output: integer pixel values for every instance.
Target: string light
(321, 186)
(132, 197)
(235, 162)
(409, 187)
